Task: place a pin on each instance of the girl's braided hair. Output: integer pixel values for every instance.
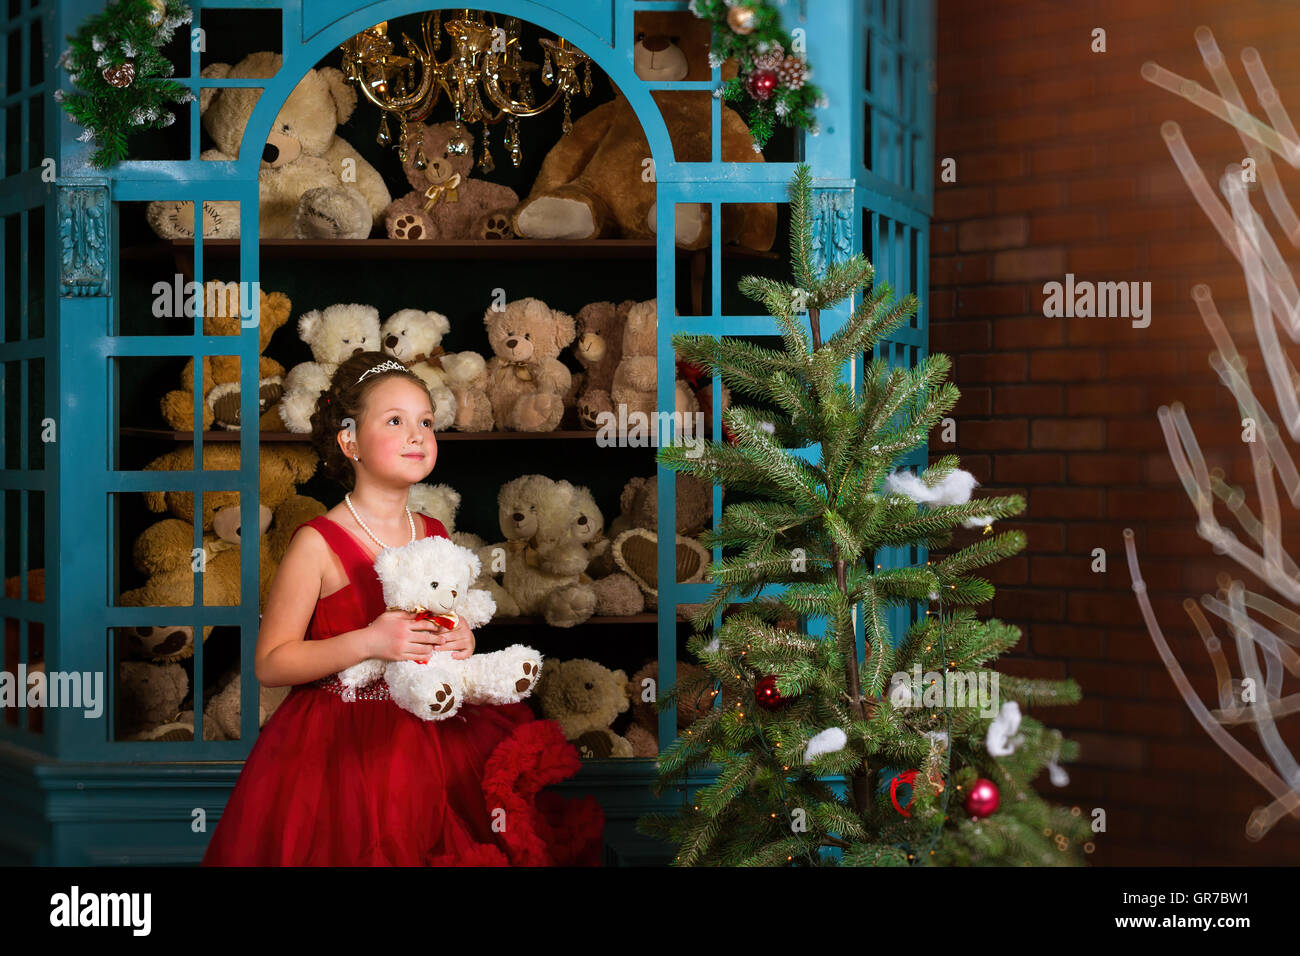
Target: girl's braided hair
(346, 398)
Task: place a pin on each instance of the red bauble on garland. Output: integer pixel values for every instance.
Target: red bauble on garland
(766, 694)
(761, 84)
(982, 799)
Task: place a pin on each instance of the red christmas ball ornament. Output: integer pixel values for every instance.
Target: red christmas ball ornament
(766, 694)
(761, 84)
(982, 799)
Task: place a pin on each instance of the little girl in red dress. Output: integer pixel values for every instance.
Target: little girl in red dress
(338, 783)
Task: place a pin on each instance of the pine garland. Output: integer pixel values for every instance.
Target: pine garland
(813, 530)
(115, 62)
(773, 81)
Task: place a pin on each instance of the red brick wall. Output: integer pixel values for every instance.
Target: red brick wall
(1061, 168)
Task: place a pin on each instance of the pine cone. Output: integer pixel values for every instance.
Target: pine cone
(770, 60)
(791, 72)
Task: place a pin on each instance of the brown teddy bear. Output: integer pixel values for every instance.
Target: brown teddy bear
(164, 551)
(644, 687)
(222, 316)
(444, 202)
(636, 537)
(148, 700)
(593, 182)
(526, 380)
(599, 349)
(311, 184)
(584, 698)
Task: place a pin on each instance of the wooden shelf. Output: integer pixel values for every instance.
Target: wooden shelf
(404, 249)
(164, 434)
(649, 618)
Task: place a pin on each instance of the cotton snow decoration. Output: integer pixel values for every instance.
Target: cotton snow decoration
(827, 742)
(953, 489)
(999, 742)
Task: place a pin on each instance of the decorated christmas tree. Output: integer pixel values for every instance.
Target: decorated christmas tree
(935, 755)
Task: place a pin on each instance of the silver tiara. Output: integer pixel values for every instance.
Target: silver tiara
(389, 366)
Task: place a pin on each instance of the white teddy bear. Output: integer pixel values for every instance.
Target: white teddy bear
(335, 334)
(414, 337)
(433, 578)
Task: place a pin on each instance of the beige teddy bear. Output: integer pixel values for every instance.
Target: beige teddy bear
(442, 502)
(526, 380)
(543, 564)
(414, 338)
(311, 184)
(637, 376)
(617, 595)
(221, 715)
(635, 537)
(444, 201)
(584, 698)
(148, 698)
(335, 334)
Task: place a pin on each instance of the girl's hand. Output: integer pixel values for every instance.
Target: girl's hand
(459, 641)
(398, 636)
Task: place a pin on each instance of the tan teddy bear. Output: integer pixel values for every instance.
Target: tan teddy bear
(222, 315)
(164, 551)
(543, 565)
(148, 698)
(636, 378)
(584, 698)
(444, 201)
(593, 182)
(526, 380)
(617, 595)
(221, 715)
(335, 334)
(311, 184)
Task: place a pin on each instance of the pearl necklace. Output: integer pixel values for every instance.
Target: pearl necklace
(348, 498)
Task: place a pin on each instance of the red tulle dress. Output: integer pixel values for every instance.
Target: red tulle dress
(364, 783)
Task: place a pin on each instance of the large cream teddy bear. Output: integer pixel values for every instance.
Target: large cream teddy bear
(527, 381)
(444, 201)
(433, 577)
(594, 183)
(311, 185)
(617, 595)
(335, 334)
(414, 338)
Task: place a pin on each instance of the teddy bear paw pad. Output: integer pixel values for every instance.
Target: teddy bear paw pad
(497, 226)
(531, 673)
(443, 701)
(407, 227)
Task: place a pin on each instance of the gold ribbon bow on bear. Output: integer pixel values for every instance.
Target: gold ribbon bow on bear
(527, 547)
(445, 190)
(521, 371)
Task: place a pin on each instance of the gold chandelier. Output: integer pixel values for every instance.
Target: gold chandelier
(484, 64)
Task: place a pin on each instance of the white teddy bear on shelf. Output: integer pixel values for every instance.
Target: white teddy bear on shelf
(335, 334)
(432, 577)
(414, 338)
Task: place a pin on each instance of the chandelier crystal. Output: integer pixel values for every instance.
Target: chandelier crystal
(484, 77)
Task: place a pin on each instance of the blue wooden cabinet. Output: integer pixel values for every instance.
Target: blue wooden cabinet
(76, 365)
